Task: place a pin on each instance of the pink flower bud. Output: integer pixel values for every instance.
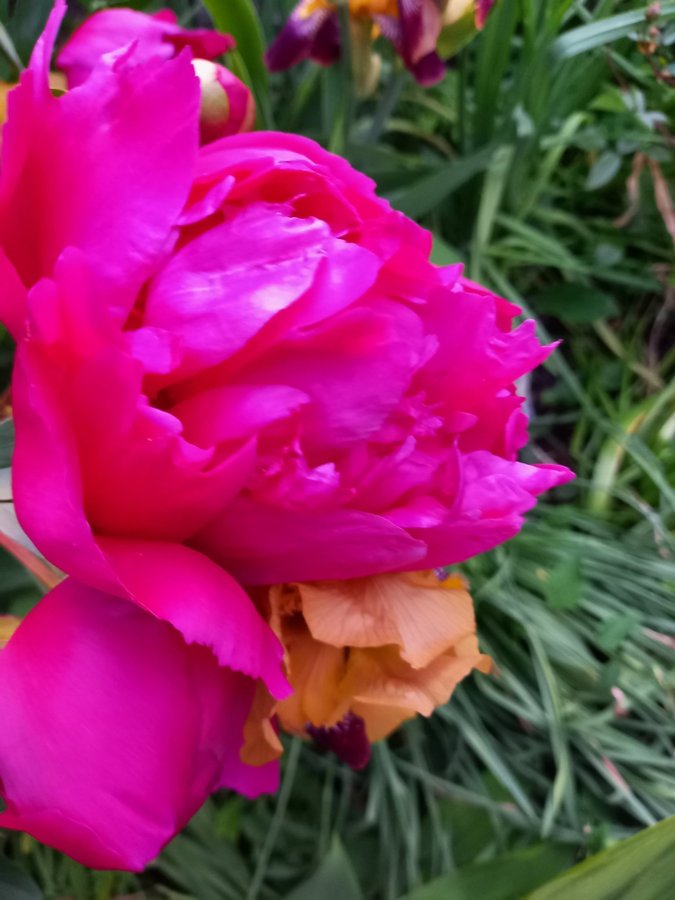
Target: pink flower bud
(227, 106)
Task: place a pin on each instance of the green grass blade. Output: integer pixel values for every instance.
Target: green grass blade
(240, 19)
(424, 195)
(508, 877)
(640, 868)
(597, 34)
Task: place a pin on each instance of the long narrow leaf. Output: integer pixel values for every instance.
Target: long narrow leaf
(597, 34)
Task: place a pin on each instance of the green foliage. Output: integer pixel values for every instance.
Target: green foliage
(638, 869)
(6, 442)
(334, 879)
(507, 877)
(15, 884)
(240, 19)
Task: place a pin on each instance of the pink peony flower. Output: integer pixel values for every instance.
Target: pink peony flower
(227, 104)
(131, 682)
(230, 357)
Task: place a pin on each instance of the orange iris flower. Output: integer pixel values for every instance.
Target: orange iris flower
(363, 656)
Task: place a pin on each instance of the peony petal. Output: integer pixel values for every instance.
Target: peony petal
(236, 411)
(106, 167)
(129, 729)
(498, 493)
(354, 367)
(206, 605)
(221, 288)
(12, 297)
(50, 504)
(109, 30)
(157, 36)
(472, 339)
(47, 486)
(131, 469)
(260, 544)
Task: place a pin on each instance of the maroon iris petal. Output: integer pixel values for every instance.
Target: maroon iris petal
(347, 740)
(313, 35)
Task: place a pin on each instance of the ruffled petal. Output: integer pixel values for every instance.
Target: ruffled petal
(381, 679)
(122, 460)
(220, 289)
(106, 168)
(204, 603)
(497, 495)
(157, 36)
(415, 612)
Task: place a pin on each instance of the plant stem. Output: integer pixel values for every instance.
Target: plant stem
(277, 821)
(387, 104)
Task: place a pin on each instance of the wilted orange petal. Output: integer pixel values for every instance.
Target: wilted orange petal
(380, 719)
(8, 625)
(261, 742)
(5, 88)
(382, 677)
(315, 671)
(413, 611)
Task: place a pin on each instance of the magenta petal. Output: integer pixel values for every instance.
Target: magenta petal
(204, 43)
(106, 168)
(497, 495)
(205, 604)
(221, 288)
(157, 36)
(235, 412)
(47, 486)
(261, 544)
(472, 338)
(12, 297)
(108, 30)
(347, 739)
(354, 367)
(429, 70)
(251, 781)
(114, 730)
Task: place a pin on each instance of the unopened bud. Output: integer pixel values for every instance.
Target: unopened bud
(227, 106)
